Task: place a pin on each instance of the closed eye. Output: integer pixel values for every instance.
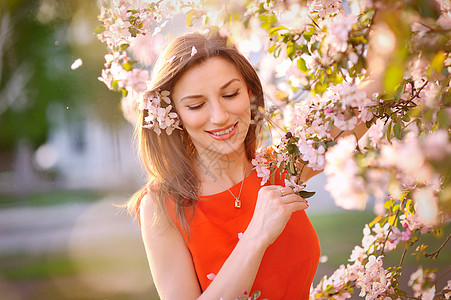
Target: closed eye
(194, 107)
(232, 95)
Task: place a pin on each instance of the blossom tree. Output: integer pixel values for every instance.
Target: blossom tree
(330, 67)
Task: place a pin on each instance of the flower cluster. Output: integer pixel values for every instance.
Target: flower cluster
(122, 25)
(422, 283)
(158, 117)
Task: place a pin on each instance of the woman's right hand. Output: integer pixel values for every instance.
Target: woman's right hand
(273, 209)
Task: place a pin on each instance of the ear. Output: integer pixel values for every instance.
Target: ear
(249, 91)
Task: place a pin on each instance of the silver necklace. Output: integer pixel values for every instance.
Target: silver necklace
(237, 199)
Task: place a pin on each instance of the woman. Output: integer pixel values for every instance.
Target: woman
(210, 229)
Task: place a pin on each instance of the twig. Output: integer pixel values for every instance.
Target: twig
(439, 249)
(403, 255)
(444, 273)
(389, 231)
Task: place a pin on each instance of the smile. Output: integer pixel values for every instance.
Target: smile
(224, 133)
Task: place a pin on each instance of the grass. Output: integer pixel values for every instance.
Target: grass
(18, 267)
(118, 269)
(50, 198)
(339, 233)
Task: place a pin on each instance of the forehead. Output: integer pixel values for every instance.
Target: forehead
(212, 73)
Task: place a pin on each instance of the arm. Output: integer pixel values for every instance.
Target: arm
(171, 263)
(169, 258)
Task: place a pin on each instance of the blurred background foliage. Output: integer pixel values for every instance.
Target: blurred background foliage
(38, 43)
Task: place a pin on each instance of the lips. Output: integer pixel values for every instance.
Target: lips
(224, 133)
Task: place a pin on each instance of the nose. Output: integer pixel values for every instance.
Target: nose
(219, 114)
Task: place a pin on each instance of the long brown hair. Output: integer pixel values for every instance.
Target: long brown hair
(170, 159)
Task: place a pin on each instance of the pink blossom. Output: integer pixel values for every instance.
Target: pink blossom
(136, 80)
(376, 133)
(396, 236)
(344, 123)
(211, 276)
(448, 287)
(260, 164)
(426, 206)
(76, 64)
(296, 17)
(358, 254)
(422, 284)
(338, 30)
(373, 281)
(347, 188)
(193, 51)
(146, 48)
(292, 182)
(437, 145)
(158, 117)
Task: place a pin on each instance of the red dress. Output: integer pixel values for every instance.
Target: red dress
(288, 265)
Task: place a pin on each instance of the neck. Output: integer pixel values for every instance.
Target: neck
(218, 171)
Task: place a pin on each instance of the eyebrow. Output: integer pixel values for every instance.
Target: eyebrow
(221, 88)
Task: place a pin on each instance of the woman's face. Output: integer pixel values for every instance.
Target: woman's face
(213, 103)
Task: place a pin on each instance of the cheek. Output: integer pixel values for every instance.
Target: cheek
(191, 120)
(243, 109)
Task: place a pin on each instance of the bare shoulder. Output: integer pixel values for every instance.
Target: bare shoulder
(168, 255)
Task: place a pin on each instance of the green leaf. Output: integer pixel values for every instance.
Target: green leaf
(302, 65)
(415, 112)
(271, 49)
(291, 167)
(305, 194)
(392, 220)
(127, 66)
(124, 47)
(281, 168)
(291, 49)
(293, 149)
(189, 18)
(397, 130)
(275, 30)
(330, 144)
(308, 35)
(376, 220)
(388, 204)
(386, 97)
(267, 21)
(406, 118)
(99, 29)
(133, 31)
(114, 84)
(390, 124)
(256, 294)
(273, 178)
(398, 93)
(436, 63)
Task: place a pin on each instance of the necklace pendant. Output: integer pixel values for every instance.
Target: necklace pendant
(237, 203)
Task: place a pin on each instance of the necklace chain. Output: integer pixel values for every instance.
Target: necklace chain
(237, 199)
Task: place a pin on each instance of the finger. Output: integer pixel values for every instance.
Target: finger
(285, 190)
(297, 205)
(293, 198)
